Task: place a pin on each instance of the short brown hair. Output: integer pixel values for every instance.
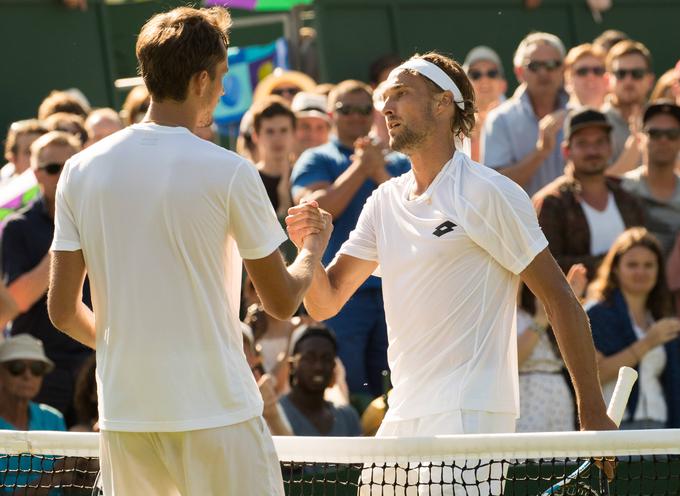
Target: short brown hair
(606, 282)
(20, 128)
(61, 101)
(345, 87)
(664, 85)
(628, 47)
(583, 50)
(174, 46)
(53, 138)
(607, 39)
(269, 107)
(69, 123)
(463, 120)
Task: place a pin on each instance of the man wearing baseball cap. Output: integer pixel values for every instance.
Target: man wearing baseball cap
(583, 211)
(313, 122)
(656, 183)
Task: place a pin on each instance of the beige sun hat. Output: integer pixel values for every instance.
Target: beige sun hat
(24, 347)
(281, 78)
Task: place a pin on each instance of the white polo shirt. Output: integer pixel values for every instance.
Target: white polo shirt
(163, 219)
(450, 261)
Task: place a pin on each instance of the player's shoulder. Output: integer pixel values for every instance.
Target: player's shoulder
(395, 185)
(475, 182)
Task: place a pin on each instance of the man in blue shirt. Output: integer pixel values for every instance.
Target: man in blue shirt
(520, 136)
(340, 176)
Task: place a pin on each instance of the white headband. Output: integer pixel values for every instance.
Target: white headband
(435, 74)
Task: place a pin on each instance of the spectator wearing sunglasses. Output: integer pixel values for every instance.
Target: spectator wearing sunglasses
(23, 364)
(520, 138)
(585, 76)
(340, 176)
(25, 267)
(285, 84)
(657, 183)
(629, 65)
(485, 70)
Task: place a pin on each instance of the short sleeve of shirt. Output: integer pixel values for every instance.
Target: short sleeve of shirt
(496, 142)
(310, 168)
(66, 235)
(362, 241)
(500, 218)
(252, 220)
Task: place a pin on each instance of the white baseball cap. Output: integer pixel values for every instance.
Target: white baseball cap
(306, 104)
(482, 52)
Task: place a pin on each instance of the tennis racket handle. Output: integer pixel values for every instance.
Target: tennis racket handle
(624, 384)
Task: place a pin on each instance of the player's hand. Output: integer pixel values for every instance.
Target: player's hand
(548, 127)
(303, 220)
(267, 385)
(317, 243)
(602, 423)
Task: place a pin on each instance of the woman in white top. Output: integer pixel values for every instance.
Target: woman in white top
(633, 325)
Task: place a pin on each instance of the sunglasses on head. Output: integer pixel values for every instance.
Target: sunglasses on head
(476, 75)
(670, 134)
(345, 109)
(636, 74)
(292, 91)
(548, 65)
(52, 169)
(18, 367)
(584, 71)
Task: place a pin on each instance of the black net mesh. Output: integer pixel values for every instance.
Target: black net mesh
(637, 475)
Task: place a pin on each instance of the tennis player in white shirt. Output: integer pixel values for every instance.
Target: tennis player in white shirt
(451, 240)
(162, 221)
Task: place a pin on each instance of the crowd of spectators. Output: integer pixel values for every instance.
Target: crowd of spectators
(586, 133)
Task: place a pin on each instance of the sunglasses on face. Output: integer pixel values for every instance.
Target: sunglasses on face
(345, 109)
(285, 91)
(548, 65)
(476, 75)
(670, 134)
(52, 169)
(584, 71)
(636, 74)
(18, 367)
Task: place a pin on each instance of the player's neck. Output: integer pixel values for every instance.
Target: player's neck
(172, 114)
(429, 159)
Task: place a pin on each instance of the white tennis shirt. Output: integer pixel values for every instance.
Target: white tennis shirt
(450, 261)
(163, 219)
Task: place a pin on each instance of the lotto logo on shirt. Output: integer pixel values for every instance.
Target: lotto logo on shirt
(444, 228)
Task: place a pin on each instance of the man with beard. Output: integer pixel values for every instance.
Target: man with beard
(584, 211)
(451, 240)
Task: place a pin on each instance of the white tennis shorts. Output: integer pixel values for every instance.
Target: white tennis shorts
(476, 477)
(238, 459)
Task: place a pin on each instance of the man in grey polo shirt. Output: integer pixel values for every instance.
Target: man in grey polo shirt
(520, 136)
(657, 183)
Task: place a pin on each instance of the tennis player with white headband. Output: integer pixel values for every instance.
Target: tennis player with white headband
(452, 240)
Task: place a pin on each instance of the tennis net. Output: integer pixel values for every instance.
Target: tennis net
(648, 463)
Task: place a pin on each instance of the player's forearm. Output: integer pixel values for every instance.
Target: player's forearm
(320, 300)
(299, 278)
(78, 323)
(521, 172)
(28, 288)
(338, 195)
(570, 324)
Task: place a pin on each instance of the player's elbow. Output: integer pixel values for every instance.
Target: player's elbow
(319, 313)
(60, 314)
(281, 308)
